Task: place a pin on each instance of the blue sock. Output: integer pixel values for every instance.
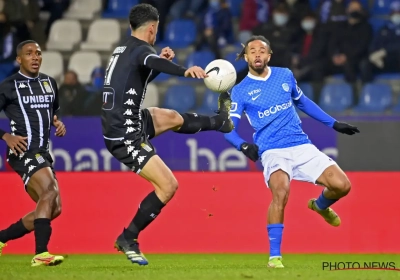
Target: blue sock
(323, 202)
(275, 238)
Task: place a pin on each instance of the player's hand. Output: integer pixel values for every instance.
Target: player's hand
(196, 72)
(250, 151)
(167, 53)
(345, 128)
(60, 127)
(17, 144)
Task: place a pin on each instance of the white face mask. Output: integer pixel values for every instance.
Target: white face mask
(395, 19)
(308, 25)
(280, 19)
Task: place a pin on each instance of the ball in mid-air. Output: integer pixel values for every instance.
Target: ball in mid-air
(221, 75)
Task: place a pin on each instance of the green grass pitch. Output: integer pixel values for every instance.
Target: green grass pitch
(195, 267)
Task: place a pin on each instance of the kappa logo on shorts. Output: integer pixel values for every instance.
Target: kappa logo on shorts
(28, 160)
(128, 142)
(23, 177)
(39, 159)
(141, 159)
(30, 168)
(21, 156)
(146, 147)
(135, 153)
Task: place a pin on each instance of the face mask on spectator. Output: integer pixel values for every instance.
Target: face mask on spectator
(356, 14)
(308, 25)
(395, 19)
(280, 19)
(214, 4)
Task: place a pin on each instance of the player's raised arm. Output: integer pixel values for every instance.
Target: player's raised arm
(313, 110)
(237, 109)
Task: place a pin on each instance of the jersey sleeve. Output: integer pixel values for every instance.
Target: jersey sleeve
(237, 104)
(56, 104)
(296, 90)
(146, 56)
(141, 54)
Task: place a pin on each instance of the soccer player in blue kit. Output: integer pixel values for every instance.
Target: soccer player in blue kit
(267, 96)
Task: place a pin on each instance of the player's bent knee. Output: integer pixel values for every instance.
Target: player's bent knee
(169, 189)
(344, 186)
(57, 212)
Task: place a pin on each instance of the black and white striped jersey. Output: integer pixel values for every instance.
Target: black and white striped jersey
(30, 104)
(125, 88)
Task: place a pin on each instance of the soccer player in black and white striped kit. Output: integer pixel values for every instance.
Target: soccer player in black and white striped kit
(30, 101)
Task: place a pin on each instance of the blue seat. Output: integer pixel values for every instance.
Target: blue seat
(307, 90)
(381, 7)
(179, 33)
(375, 98)
(239, 64)
(200, 58)
(377, 23)
(314, 4)
(388, 76)
(119, 8)
(210, 103)
(336, 97)
(181, 98)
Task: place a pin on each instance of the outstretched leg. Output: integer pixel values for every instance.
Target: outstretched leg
(337, 185)
(191, 123)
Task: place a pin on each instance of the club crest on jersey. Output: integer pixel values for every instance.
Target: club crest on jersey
(285, 87)
(47, 87)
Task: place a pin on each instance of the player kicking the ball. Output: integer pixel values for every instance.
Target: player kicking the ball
(267, 96)
(127, 128)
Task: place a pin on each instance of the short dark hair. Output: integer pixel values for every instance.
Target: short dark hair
(142, 14)
(22, 44)
(253, 38)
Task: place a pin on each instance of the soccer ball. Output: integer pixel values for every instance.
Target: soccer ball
(221, 75)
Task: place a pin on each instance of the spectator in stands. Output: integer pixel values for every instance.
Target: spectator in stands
(349, 45)
(56, 8)
(385, 49)
(281, 35)
(8, 45)
(184, 8)
(216, 28)
(72, 95)
(254, 13)
(23, 15)
(308, 50)
(95, 89)
(298, 9)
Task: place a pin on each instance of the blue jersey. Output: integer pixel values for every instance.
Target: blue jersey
(268, 104)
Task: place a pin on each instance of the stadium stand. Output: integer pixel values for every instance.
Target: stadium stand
(87, 33)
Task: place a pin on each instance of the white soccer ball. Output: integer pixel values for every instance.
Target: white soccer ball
(221, 75)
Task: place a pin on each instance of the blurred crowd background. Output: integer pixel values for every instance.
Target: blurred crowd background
(345, 55)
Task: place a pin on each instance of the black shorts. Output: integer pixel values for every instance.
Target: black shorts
(135, 153)
(30, 162)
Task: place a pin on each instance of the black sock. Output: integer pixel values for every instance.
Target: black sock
(42, 234)
(193, 123)
(14, 231)
(148, 210)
